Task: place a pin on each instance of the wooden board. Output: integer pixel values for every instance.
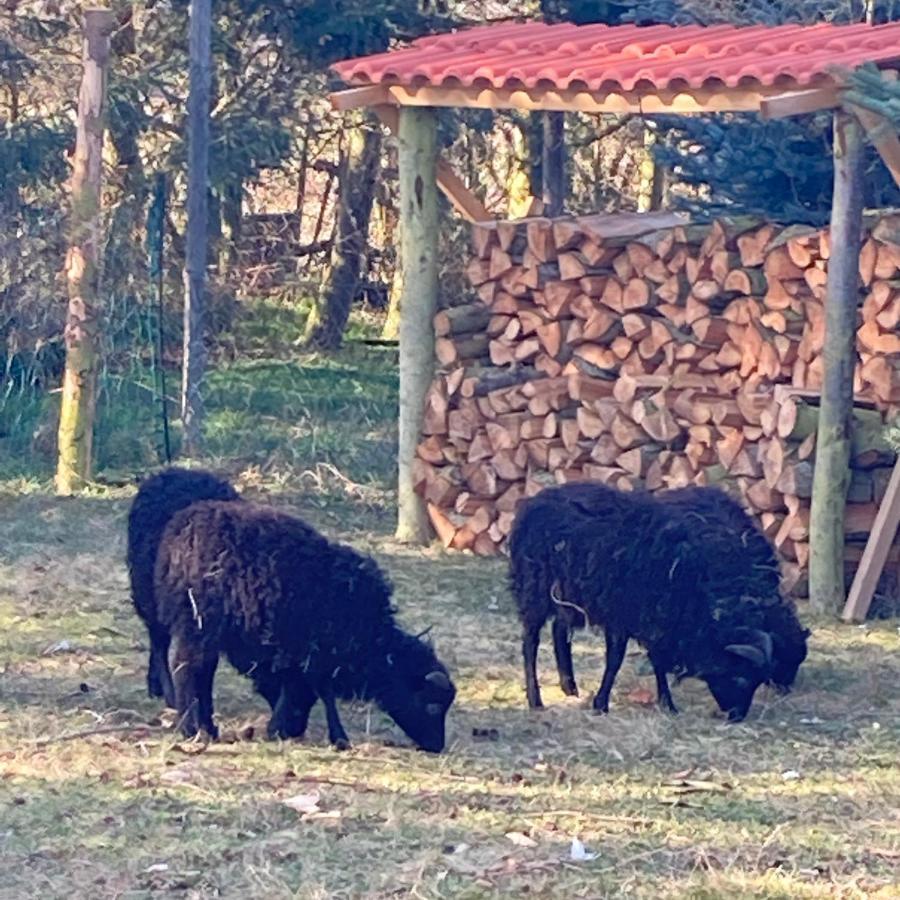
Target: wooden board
(876, 552)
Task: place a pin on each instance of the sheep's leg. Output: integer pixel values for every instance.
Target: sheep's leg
(290, 713)
(158, 678)
(562, 647)
(194, 669)
(336, 733)
(205, 678)
(159, 655)
(615, 656)
(531, 639)
(663, 695)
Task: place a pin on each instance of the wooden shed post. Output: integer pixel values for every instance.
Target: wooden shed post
(417, 163)
(79, 392)
(832, 474)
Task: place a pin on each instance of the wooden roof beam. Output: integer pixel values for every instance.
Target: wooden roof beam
(795, 103)
(770, 102)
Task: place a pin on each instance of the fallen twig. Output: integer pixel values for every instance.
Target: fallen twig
(88, 732)
(599, 817)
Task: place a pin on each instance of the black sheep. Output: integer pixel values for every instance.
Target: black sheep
(744, 558)
(741, 561)
(307, 619)
(157, 500)
(628, 563)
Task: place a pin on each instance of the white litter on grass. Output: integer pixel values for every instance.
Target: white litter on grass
(59, 647)
(520, 840)
(578, 852)
(790, 775)
(158, 867)
(303, 803)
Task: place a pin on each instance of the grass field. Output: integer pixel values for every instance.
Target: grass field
(801, 800)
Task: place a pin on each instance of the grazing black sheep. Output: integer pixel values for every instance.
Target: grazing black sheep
(157, 500)
(305, 618)
(744, 558)
(741, 561)
(629, 563)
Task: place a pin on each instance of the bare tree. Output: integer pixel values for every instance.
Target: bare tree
(79, 396)
(197, 232)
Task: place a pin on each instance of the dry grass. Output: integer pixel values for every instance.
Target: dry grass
(800, 801)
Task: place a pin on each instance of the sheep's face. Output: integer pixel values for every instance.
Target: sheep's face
(420, 694)
(734, 691)
(738, 669)
(423, 718)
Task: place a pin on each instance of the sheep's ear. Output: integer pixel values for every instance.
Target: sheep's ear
(748, 651)
(439, 680)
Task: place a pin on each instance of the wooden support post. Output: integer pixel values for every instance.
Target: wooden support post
(876, 553)
(79, 394)
(832, 474)
(417, 159)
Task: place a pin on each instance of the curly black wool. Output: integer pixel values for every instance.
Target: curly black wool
(157, 500)
(305, 618)
(588, 554)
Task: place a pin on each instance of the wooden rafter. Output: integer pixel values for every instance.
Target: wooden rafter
(876, 553)
(883, 135)
(453, 187)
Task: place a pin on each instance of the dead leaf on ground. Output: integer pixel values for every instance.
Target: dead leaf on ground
(520, 840)
(303, 803)
(641, 696)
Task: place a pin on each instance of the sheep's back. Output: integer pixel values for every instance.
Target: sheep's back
(259, 575)
(158, 499)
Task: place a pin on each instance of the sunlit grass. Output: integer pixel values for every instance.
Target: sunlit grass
(798, 801)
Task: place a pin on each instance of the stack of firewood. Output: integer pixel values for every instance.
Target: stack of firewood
(643, 351)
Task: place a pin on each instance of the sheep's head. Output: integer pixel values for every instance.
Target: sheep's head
(418, 693)
(737, 669)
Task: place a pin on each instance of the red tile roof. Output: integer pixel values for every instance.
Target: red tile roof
(603, 58)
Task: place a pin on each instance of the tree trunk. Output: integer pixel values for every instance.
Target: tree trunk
(359, 165)
(79, 396)
(418, 304)
(832, 474)
(652, 178)
(390, 331)
(554, 163)
(197, 234)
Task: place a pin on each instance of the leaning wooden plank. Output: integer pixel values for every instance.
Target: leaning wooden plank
(875, 555)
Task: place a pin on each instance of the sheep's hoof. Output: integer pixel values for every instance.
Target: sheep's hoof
(341, 744)
(282, 733)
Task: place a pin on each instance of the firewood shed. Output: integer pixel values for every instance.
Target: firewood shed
(643, 349)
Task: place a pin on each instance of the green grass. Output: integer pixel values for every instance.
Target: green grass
(289, 414)
(799, 801)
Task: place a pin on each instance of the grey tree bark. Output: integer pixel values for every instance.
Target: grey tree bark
(356, 184)
(194, 359)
